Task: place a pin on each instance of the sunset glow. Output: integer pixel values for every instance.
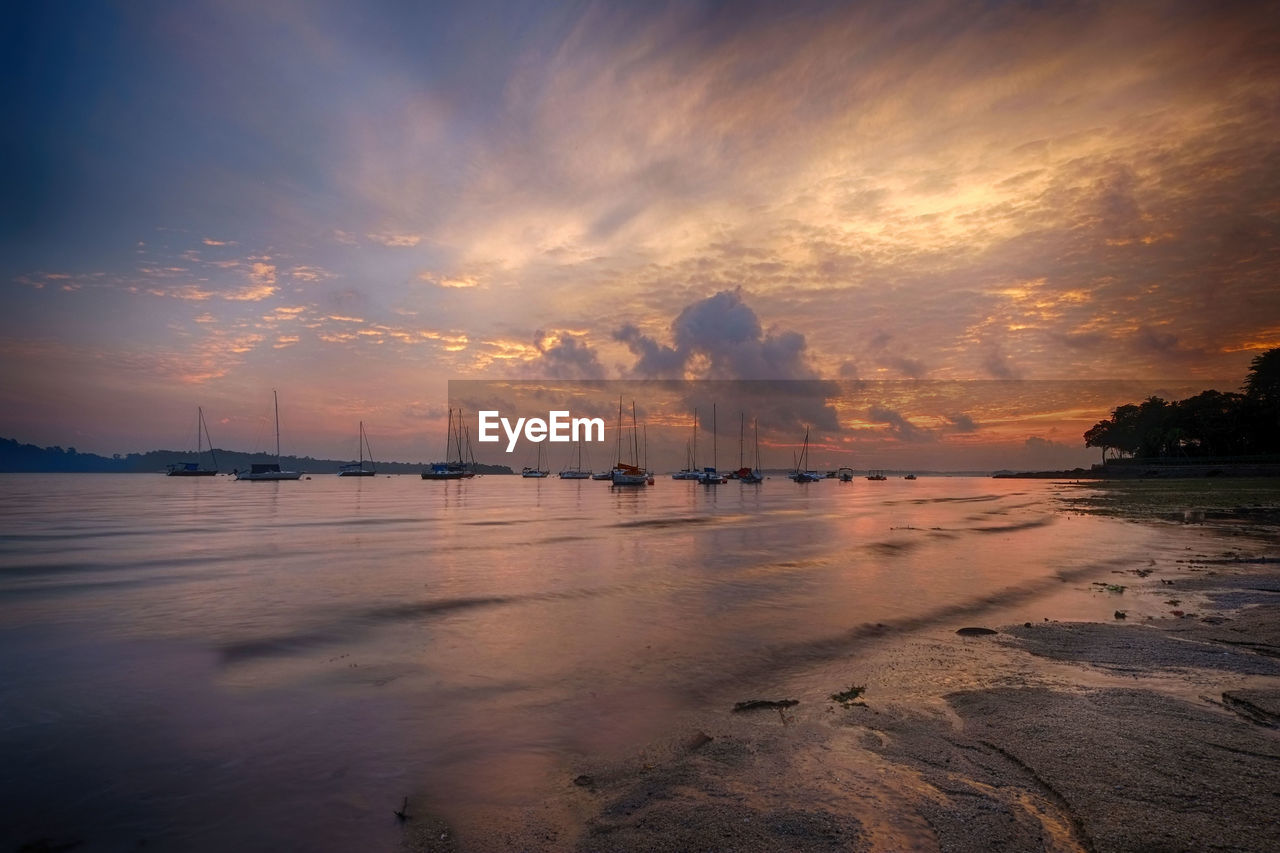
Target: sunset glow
(355, 203)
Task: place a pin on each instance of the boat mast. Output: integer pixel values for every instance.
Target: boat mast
(635, 437)
(714, 460)
(205, 426)
(693, 460)
(618, 440)
(755, 425)
(742, 425)
(276, 398)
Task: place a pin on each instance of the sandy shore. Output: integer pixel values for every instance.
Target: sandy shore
(1146, 733)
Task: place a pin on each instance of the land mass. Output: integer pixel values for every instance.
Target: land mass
(18, 458)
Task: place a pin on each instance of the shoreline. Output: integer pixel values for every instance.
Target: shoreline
(1154, 731)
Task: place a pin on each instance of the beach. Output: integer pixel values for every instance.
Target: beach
(1152, 731)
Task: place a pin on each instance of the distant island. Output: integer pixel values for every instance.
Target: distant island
(17, 458)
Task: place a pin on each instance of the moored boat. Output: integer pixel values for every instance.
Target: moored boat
(195, 469)
(269, 471)
(357, 469)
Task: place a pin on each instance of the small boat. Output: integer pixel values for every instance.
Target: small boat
(264, 471)
(751, 475)
(690, 470)
(577, 472)
(539, 470)
(909, 477)
(603, 475)
(876, 475)
(710, 476)
(357, 469)
(801, 474)
(628, 473)
(845, 475)
(193, 469)
(461, 468)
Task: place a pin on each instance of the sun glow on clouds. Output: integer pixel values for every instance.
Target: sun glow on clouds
(932, 191)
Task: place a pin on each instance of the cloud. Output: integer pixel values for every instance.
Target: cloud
(396, 240)
(719, 337)
(899, 426)
(563, 355)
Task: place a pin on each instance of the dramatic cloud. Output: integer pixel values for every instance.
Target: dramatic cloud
(719, 337)
(563, 356)
(879, 191)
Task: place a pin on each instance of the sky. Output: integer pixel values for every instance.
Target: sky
(354, 203)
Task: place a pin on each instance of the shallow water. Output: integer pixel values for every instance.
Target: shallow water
(205, 664)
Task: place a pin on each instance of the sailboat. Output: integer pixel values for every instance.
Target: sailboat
(624, 474)
(690, 469)
(453, 469)
(753, 475)
(357, 469)
(710, 476)
(578, 472)
(193, 469)
(260, 471)
(801, 474)
(539, 470)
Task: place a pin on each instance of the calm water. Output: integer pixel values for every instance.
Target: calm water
(207, 664)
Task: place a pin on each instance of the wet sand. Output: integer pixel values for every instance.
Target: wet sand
(1156, 731)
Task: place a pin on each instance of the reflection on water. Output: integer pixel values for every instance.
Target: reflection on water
(204, 664)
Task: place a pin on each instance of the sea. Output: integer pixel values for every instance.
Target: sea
(204, 664)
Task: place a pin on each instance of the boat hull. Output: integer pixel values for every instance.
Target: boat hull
(269, 476)
(357, 473)
(185, 473)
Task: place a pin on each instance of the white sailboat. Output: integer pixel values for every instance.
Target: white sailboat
(710, 476)
(577, 472)
(539, 470)
(690, 469)
(628, 474)
(262, 471)
(801, 474)
(357, 469)
(453, 469)
(194, 469)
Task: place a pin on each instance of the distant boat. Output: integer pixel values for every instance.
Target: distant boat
(710, 476)
(751, 475)
(538, 471)
(801, 474)
(193, 469)
(690, 470)
(262, 471)
(628, 474)
(357, 469)
(577, 472)
(876, 475)
(461, 468)
(845, 475)
(909, 477)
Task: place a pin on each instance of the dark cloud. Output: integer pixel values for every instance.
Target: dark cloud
(719, 337)
(567, 357)
(998, 364)
(899, 426)
(960, 422)
(653, 360)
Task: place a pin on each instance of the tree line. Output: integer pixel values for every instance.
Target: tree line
(1210, 424)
